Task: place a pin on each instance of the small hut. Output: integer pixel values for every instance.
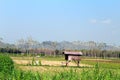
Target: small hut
(75, 56)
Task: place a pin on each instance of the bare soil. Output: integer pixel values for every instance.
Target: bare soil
(49, 63)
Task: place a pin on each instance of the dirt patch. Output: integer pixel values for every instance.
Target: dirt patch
(62, 63)
(49, 69)
(49, 63)
(33, 68)
(22, 62)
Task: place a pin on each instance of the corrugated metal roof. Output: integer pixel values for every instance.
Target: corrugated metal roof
(73, 53)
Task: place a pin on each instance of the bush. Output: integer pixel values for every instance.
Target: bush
(6, 64)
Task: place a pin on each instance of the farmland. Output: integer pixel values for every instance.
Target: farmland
(59, 40)
(53, 68)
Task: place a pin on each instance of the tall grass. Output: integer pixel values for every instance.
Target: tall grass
(94, 74)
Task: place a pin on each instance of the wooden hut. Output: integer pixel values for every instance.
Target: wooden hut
(75, 56)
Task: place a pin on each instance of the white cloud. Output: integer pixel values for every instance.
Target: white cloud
(93, 21)
(106, 21)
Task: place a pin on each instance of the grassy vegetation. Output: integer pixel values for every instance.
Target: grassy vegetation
(105, 64)
(100, 70)
(72, 74)
(6, 65)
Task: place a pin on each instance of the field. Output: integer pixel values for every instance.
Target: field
(53, 68)
(47, 64)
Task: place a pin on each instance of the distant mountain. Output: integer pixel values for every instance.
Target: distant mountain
(5, 45)
(75, 45)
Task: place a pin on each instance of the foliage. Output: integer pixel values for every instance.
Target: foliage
(6, 65)
(35, 62)
(72, 74)
(9, 50)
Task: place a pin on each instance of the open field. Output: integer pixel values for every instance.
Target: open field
(48, 64)
(58, 63)
(53, 68)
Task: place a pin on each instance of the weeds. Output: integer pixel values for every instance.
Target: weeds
(72, 74)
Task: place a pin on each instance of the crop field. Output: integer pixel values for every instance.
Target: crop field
(53, 68)
(47, 64)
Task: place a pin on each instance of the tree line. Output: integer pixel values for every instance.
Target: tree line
(10, 50)
(47, 52)
(101, 53)
(89, 49)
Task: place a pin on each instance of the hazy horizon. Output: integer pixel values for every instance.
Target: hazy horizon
(61, 20)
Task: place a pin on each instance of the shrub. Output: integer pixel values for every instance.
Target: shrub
(6, 64)
(36, 62)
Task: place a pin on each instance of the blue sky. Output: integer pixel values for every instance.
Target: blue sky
(58, 20)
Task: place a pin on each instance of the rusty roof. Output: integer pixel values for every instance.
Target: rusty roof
(73, 53)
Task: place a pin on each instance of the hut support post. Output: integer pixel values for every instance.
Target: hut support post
(78, 63)
(67, 63)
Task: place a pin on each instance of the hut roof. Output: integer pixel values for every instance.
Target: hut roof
(73, 53)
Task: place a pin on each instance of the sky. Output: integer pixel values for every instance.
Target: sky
(60, 20)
